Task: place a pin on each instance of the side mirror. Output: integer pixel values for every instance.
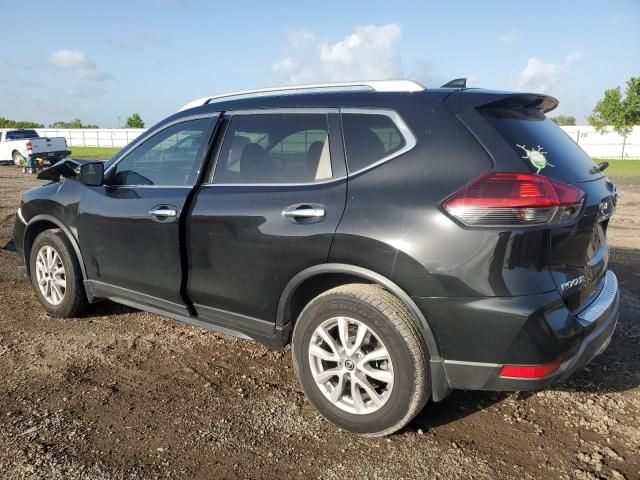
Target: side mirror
(92, 174)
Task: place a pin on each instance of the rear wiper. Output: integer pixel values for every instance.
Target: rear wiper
(599, 168)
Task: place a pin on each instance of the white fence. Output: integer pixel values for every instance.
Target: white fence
(607, 144)
(93, 137)
(600, 145)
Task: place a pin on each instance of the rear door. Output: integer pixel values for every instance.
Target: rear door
(129, 229)
(578, 251)
(270, 210)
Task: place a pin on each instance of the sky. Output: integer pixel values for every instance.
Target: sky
(102, 61)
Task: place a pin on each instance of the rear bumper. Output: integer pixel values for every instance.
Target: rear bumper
(51, 156)
(598, 321)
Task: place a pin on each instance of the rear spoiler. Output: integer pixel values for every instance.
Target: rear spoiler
(471, 98)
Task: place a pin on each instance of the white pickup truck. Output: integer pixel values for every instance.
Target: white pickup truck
(22, 147)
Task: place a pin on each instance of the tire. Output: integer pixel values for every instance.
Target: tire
(58, 300)
(402, 382)
(18, 159)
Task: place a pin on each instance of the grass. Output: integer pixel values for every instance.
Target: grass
(621, 168)
(99, 153)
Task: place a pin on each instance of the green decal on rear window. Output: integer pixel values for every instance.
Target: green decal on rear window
(536, 156)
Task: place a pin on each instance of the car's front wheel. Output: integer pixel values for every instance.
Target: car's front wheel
(361, 360)
(56, 275)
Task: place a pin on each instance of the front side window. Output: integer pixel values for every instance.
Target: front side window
(170, 157)
(368, 138)
(275, 148)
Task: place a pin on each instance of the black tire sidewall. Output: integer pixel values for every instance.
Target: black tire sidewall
(398, 404)
(55, 240)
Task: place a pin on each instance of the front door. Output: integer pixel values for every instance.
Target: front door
(129, 229)
(269, 211)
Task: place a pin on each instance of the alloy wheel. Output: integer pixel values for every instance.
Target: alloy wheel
(50, 275)
(351, 365)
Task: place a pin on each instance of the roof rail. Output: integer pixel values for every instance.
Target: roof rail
(372, 85)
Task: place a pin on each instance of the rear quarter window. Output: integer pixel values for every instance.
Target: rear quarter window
(529, 131)
(369, 138)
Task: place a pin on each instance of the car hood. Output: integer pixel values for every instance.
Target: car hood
(67, 168)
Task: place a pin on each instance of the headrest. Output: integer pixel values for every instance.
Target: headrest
(253, 162)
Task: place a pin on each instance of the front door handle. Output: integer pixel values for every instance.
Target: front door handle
(303, 212)
(163, 212)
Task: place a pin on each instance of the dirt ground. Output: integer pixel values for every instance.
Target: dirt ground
(125, 394)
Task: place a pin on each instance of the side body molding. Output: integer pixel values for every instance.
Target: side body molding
(61, 226)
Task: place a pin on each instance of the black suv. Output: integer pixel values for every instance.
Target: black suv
(406, 241)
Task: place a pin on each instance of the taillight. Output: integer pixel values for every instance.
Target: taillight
(530, 371)
(514, 199)
(29, 146)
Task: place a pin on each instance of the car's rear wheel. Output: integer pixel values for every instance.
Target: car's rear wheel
(361, 360)
(56, 275)
(18, 159)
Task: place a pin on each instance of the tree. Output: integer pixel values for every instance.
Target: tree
(75, 123)
(8, 123)
(134, 121)
(621, 113)
(564, 120)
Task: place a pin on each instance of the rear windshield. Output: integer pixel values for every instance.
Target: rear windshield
(542, 144)
(20, 134)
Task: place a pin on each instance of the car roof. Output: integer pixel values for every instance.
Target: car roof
(383, 94)
(325, 98)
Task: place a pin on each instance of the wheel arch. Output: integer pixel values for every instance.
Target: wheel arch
(313, 280)
(41, 223)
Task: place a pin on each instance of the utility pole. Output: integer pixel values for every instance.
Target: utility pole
(119, 121)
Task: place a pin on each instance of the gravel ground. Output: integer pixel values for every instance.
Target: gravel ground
(125, 394)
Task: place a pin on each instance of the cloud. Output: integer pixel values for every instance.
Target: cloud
(540, 76)
(427, 74)
(575, 56)
(509, 39)
(368, 53)
(76, 61)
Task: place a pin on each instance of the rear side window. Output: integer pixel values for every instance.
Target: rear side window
(369, 138)
(21, 134)
(275, 148)
(542, 144)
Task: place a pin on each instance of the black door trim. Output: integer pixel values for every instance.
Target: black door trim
(74, 242)
(214, 319)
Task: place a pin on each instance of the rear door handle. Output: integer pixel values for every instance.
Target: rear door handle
(163, 212)
(304, 211)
